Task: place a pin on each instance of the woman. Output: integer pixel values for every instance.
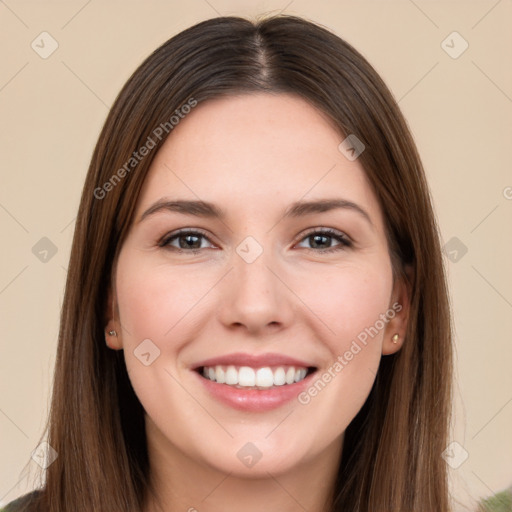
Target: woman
(256, 310)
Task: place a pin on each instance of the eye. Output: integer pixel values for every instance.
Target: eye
(186, 240)
(321, 240)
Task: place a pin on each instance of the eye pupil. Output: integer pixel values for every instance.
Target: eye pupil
(190, 241)
(318, 240)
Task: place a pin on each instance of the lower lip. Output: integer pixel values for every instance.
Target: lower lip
(255, 400)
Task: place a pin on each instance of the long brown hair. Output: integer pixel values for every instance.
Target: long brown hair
(391, 457)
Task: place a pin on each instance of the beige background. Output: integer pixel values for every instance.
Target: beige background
(459, 110)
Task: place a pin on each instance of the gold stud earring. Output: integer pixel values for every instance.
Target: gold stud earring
(395, 338)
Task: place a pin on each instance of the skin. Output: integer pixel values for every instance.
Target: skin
(252, 156)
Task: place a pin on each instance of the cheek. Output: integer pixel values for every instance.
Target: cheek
(352, 308)
(350, 302)
(154, 304)
(157, 302)
(154, 300)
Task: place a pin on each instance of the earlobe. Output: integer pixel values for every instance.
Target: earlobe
(395, 333)
(112, 339)
(392, 344)
(112, 333)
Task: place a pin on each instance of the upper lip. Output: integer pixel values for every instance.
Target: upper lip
(253, 360)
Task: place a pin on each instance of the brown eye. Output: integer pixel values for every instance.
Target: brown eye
(325, 240)
(186, 240)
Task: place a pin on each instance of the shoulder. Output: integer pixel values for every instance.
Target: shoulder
(501, 502)
(20, 504)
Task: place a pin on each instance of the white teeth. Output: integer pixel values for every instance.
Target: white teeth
(300, 374)
(220, 375)
(231, 376)
(264, 378)
(245, 376)
(279, 377)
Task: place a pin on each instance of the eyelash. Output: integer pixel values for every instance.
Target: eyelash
(344, 241)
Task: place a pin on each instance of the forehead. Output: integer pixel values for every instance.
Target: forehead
(254, 150)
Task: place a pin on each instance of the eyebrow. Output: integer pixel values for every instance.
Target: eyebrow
(297, 209)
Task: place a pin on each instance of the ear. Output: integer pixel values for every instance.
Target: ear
(113, 332)
(400, 304)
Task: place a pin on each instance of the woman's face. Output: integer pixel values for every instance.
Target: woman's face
(258, 255)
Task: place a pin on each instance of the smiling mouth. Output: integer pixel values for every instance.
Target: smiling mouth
(263, 378)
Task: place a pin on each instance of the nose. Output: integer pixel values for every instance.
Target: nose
(255, 297)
